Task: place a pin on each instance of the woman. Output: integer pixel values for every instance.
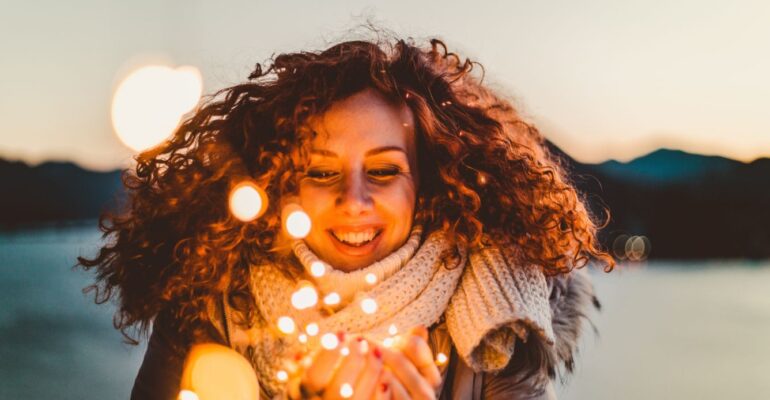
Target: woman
(429, 196)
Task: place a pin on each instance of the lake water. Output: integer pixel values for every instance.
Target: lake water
(667, 330)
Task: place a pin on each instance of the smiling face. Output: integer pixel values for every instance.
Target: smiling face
(361, 185)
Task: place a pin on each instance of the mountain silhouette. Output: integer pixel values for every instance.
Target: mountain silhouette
(688, 206)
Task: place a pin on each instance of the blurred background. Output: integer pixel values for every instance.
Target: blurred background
(657, 109)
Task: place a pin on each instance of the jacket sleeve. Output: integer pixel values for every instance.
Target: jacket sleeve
(161, 371)
(535, 364)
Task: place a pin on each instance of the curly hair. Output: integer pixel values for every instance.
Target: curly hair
(482, 168)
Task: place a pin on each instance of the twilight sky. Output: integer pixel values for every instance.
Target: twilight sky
(601, 78)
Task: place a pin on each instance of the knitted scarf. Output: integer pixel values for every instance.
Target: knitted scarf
(487, 301)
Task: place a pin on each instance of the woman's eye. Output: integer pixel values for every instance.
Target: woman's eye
(384, 173)
(321, 175)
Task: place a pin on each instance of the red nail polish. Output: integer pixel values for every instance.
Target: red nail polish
(297, 356)
(377, 352)
(360, 339)
(384, 386)
(341, 336)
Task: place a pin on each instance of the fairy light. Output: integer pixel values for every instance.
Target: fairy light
(392, 330)
(187, 395)
(329, 341)
(282, 376)
(296, 221)
(302, 338)
(247, 201)
(388, 342)
(305, 297)
(441, 359)
(312, 329)
(317, 269)
(286, 325)
(332, 299)
(346, 391)
(369, 305)
(371, 278)
(345, 351)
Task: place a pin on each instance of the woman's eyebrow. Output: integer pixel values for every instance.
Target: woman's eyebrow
(375, 151)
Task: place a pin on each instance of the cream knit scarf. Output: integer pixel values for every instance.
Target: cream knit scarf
(486, 298)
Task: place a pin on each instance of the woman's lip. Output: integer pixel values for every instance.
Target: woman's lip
(356, 251)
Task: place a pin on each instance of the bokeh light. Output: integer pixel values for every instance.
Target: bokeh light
(286, 325)
(329, 341)
(318, 269)
(332, 298)
(296, 222)
(247, 201)
(304, 297)
(312, 329)
(187, 395)
(149, 103)
(371, 278)
(441, 359)
(346, 391)
(282, 376)
(369, 305)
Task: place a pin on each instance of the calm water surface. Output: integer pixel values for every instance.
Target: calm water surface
(666, 331)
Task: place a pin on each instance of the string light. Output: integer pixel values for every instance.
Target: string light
(187, 395)
(441, 359)
(317, 269)
(345, 351)
(392, 330)
(247, 201)
(296, 221)
(286, 325)
(305, 297)
(312, 329)
(329, 341)
(371, 278)
(388, 342)
(346, 391)
(369, 306)
(282, 376)
(332, 299)
(302, 338)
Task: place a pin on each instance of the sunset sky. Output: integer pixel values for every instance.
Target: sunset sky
(602, 79)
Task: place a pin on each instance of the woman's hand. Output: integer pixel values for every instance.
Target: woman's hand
(411, 363)
(334, 375)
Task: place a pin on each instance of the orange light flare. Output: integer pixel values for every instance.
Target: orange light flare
(247, 201)
(150, 102)
(296, 221)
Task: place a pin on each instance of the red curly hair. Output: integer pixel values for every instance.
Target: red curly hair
(482, 169)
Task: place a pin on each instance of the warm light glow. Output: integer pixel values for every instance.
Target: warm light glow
(345, 351)
(187, 395)
(346, 391)
(302, 338)
(312, 329)
(364, 347)
(213, 371)
(392, 329)
(369, 306)
(282, 376)
(329, 341)
(149, 103)
(441, 358)
(317, 269)
(305, 297)
(371, 278)
(388, 342)
(247, 201)
(296, 221)
(286, 325)
(332, 299)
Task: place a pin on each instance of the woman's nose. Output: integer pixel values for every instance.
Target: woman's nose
(355, 198)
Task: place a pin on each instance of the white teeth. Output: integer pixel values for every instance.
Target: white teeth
(355, 237)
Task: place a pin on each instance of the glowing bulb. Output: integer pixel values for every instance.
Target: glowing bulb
(286, 325)
(296, 221)
(332, 299)
(305, 297)
(369, 306)
(364, 347)
(312, 329)
(282, 376)
(247, 201)
(329, 341)
(149, 103)
(392, 330)
(187, 395)
(346, 391)
(388, 342)
(302, 338)
(344, 351)
(317, 269)
(441, 358)
(371, 278)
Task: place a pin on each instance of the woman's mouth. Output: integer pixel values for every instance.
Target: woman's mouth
(355, 243)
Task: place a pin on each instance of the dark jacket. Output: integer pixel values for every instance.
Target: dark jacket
(529, 375)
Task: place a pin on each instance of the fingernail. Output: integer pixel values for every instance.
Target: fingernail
(384, 386)
(360, 339)
(377, 352)
(297, 356)
(341, 336)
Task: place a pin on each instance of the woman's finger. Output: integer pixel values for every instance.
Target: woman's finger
(383, 390)
(417, 386)
(417, 350)
(321, 370)
(397, 390)
(367, 385)
(346, 375)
